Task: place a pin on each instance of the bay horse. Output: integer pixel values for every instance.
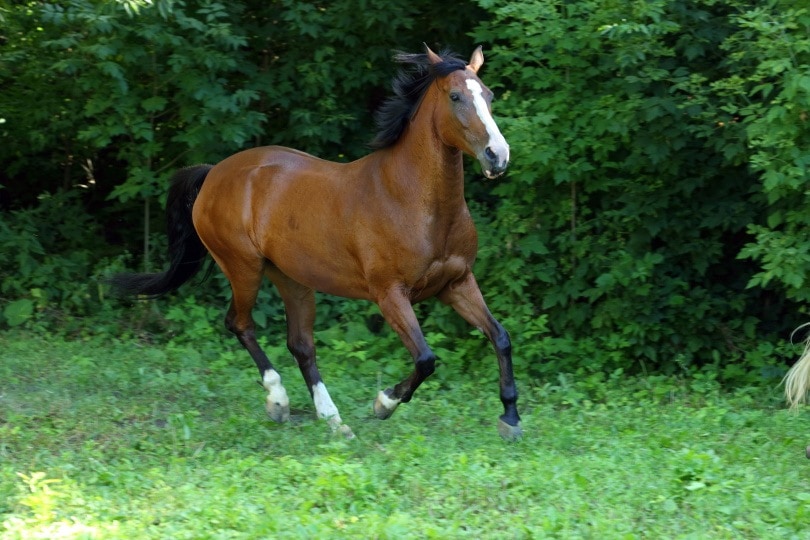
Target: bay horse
(392, 227)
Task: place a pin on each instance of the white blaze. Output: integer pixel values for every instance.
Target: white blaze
(496, 141)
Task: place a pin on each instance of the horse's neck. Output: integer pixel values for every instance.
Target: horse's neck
(424, 169)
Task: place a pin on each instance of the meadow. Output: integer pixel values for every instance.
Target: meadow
(105, 438)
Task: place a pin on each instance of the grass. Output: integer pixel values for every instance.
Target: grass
(124, 440)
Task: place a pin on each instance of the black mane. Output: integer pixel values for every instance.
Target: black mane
(409, 86)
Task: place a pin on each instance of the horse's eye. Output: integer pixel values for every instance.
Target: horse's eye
(455, 96)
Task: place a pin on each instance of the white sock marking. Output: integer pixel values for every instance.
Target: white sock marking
(276, 392)
(386, 401)
(496, 140)
(323, 403)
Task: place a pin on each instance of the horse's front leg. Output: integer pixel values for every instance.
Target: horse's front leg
(465, 297)
(398, 312)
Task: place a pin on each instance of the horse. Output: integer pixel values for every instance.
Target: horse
(392, 227)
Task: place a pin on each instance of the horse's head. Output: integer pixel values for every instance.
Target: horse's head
(464, 116)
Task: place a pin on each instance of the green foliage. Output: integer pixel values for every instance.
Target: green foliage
(634, 178)
(18, 311)
(771, 95)
(164, 83)
(53, 263)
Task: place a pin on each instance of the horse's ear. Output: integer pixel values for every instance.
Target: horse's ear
(477, 59)
(432, 56)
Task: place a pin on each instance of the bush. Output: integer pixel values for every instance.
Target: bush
(636, 183)
(53, 261)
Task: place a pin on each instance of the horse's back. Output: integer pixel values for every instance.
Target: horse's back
(284, 163)
(265, 175)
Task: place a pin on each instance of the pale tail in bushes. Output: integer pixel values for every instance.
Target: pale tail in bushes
(797, 379)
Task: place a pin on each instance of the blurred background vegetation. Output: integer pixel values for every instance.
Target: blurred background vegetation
(654, 217)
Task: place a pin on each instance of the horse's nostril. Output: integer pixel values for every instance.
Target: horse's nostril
(490, 154)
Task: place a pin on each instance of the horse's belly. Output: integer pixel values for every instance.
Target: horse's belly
(321, 275)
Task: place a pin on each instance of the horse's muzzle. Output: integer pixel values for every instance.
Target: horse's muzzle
(494, 162)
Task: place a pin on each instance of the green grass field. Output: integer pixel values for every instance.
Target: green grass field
(126, 440)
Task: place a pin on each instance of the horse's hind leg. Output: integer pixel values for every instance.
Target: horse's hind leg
(246, 278)
(299, 303)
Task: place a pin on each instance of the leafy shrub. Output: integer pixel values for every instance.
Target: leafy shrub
(634, 183)
(53, 261)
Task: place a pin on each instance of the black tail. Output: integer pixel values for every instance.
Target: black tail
(186, 251)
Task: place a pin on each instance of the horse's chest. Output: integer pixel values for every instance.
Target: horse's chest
(447, 260)
(421, 257)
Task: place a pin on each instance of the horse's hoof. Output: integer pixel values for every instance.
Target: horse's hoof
(278, 412)
(509, 433)
(338, 428)
(345, 431)
(384, 406)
